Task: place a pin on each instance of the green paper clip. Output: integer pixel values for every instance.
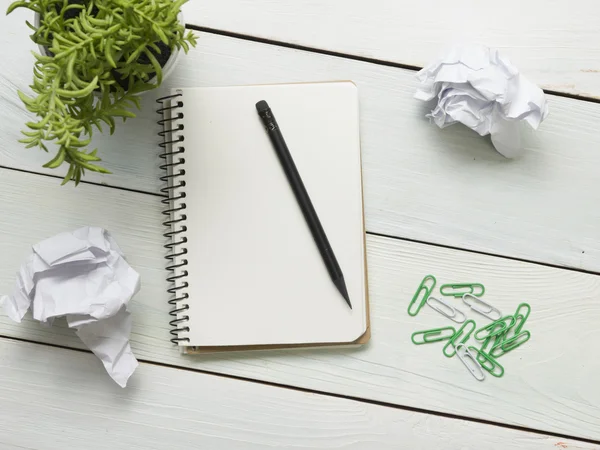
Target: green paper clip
(487, 342)
(494, 341)
(433, 335)
(460, 289)
(510, 344)
(495, 328)
(488, 363)
(516, 326)
(526, 306)
(511, 331)
(452, 343)
(424, 291)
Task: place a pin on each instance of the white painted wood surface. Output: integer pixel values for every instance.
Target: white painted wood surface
(447, 187)
(59, 399)
(554, 43)
(444, 186)
(550, 383)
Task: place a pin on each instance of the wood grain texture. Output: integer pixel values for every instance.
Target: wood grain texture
(444, 186)
(550, 383)
(554, 43)
(58, 399)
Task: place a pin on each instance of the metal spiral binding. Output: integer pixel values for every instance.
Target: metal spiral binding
(173, 156)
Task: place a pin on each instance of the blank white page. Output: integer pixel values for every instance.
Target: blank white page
(256, 276)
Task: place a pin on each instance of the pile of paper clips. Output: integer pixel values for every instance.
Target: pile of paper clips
(503, 335)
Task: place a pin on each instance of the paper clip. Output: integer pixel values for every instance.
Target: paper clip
(487, 342)
(488, 363)
(433, 335)
(474, 303)
(423, 291)
(460, 289)
(454, 339)
(495, 328)
(487, 348)
(514, 329)
(510, 344)
(450, 312)
(470, 362)
(526, 306)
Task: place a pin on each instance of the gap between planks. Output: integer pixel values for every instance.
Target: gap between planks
(380, 62)
(326, 394)
(400, 238)
(93, 183)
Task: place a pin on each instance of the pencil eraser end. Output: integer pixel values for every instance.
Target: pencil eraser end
(262, 106)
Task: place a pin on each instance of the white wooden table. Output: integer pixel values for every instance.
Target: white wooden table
(440, 202)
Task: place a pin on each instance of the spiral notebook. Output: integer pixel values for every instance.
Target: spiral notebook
(244, 271)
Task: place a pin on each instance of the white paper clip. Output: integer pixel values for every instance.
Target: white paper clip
(450, 312)
(470, 362)
(489, 311)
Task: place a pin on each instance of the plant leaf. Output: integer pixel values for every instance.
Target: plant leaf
(57, 160)
(108, 50)
(28, 101)
(69, 175)
(156, 65)
(81, 156)
(15, 5)
(95, 168)
(79, 93)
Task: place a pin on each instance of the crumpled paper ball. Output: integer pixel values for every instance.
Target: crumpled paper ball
(83, 276)
(477, 87)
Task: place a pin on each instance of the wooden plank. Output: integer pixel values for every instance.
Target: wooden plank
(443, 186)
(550, 383)
(57, 399)
(555, 44)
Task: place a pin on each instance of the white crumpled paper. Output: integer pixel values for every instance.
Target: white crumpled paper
(83, 276)
(477, 87)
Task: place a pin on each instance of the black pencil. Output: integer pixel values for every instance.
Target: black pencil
(310, 215)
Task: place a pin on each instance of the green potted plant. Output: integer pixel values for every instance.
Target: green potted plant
(96, 58)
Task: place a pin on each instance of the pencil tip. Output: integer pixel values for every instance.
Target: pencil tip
(341, 285)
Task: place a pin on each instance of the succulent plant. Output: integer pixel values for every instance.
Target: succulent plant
(99, 56)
